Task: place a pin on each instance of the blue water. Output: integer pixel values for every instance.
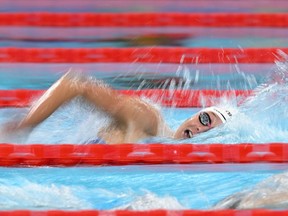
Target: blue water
(134, 187)
(148, 36)
(196, 42)
(259, 119)
(207, 6)
(140, 75)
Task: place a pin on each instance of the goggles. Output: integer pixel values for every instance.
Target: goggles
(204, 119)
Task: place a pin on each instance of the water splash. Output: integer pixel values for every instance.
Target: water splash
(74, 119)
(150, 201)
(67, 125)
(271, 193)
(39, 196)
(260, 118)
(129, 187)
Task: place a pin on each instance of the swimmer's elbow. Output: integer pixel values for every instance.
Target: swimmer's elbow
(83, 85)
(75, 84)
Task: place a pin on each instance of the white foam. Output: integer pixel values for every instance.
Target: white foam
(40, 196)
(150, 201)
(270, 193)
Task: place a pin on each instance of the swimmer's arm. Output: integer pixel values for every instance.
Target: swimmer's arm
(124, 109)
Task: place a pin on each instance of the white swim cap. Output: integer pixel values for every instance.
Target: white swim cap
(223, 114)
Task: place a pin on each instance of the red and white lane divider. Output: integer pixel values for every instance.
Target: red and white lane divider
(161, 212)
(125, 154)
(144, 19)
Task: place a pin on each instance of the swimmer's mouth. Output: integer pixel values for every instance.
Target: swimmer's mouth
(188, 133)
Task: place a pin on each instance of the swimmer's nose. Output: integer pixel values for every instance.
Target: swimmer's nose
(197, 130)
(201, 129)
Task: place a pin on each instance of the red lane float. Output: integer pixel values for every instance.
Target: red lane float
(161, 212)
(125, 154)
(170, 98)
(144, 19)
(142, 55)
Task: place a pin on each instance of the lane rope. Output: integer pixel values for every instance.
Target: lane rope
(144, 19)
(143, 55)
(160, 212)
(164, 97)
(128, 154)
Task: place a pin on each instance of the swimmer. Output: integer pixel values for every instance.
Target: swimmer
(270, 193)
(132, 118)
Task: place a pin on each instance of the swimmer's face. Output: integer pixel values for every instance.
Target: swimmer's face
(199, 123)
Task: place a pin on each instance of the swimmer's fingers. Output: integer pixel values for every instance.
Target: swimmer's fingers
(10, 127)
(13, 127)
(7, 130)
(11, 133)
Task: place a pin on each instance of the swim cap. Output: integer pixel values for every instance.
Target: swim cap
(223, 114)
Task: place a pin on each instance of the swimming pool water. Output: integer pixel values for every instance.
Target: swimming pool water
(198, 42)
(135, 187)
(143, 187)
(207, 6)
(139, 75)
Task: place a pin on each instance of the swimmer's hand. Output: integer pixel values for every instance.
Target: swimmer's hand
(6, 131)
(11, 132)
(10, 127)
